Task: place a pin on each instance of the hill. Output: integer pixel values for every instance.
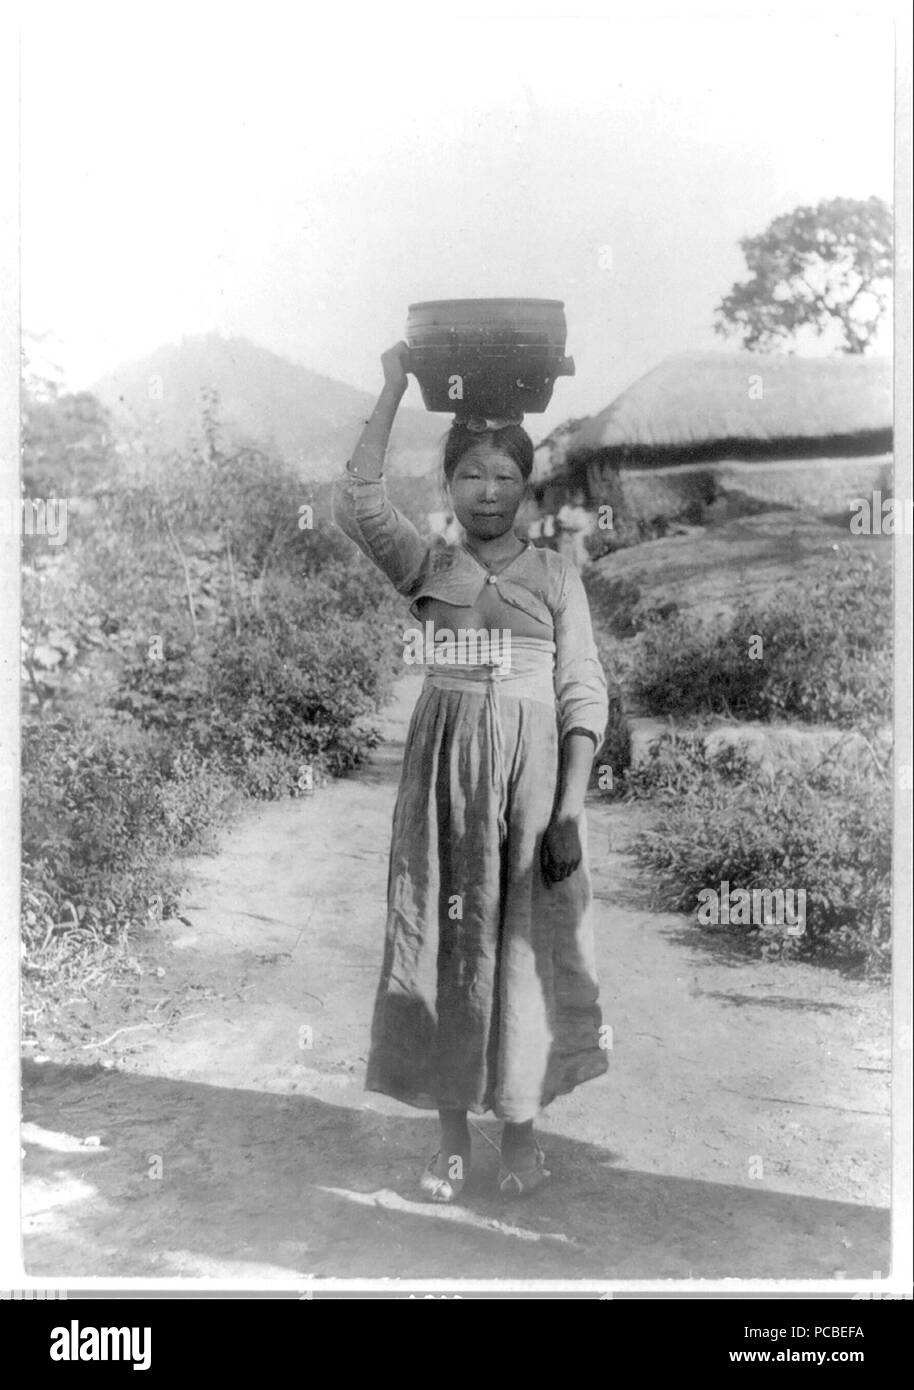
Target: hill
(310, 419)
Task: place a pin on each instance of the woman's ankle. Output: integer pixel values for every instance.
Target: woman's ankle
(517, 1142)
(455, 1130)
(454, 1146)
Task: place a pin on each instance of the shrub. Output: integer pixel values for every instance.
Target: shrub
(825, 655)
(193, 798)
(95, 830)
(307, 702)
(607, 541)
(678, 765)
(829, 833)
(613, 602)
(294, 686)
(275, 644)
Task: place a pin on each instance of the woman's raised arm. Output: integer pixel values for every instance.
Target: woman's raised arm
(361, 507)
(368, 459)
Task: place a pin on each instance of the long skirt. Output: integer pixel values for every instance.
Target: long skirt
(488, 991)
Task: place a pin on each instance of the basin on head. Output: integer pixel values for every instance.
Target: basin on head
(494, 358)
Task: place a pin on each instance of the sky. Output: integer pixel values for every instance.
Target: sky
(300, 180)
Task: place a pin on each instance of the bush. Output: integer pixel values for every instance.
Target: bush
(295, 685)
(829, 833)
(613, 602)
(193, 798)
(306, 704)
(607, 541)
(101, 814)
(825, 656)
(678, 765)
(193, 640)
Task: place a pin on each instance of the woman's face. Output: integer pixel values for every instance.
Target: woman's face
(486, 489)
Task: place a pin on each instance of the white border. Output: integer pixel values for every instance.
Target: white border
(11, 1274)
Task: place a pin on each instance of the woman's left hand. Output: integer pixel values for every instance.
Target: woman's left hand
(561, 850)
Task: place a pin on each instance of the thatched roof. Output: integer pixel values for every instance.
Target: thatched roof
(703, 398)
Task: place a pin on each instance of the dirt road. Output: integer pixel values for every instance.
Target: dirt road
(743, 1129)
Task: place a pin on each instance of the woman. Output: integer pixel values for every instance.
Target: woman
(488, 996)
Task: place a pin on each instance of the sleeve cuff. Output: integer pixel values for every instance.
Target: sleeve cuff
(589, 733)
(349, 472)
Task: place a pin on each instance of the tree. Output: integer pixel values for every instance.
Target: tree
(824, 268)
(68, 445)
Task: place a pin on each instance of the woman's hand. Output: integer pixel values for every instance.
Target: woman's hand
(561, 849)
(395, 362)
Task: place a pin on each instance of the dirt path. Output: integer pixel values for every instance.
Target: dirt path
(742, 1131)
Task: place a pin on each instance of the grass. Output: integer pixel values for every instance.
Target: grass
(828, 833)
(818, 652)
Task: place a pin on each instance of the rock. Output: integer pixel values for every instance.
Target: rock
(771, 748)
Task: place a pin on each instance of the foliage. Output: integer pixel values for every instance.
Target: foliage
(821, 268)
(105, 809)
(205, 632)
(829, 833)
(613, 602)
(101, 810)
(68, 445)
(677, 764)
(824, 655)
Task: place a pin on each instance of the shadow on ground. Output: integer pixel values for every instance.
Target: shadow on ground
(274, 1186)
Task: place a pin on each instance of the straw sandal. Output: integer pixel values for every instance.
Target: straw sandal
(437, 1188)
(521, 1184)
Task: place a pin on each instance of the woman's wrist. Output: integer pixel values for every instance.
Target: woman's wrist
(367, 460)
(576, 762)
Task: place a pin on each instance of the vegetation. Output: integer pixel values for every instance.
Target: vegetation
(828, 833)
(203, 633)
(206, 633)
(819, 651)
(824, 268)
(824, 657)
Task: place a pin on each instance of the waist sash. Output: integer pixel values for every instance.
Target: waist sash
(526, 675)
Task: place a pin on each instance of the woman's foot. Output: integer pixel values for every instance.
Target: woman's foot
(523, 1163)
(446, 1173)
(443, 1178)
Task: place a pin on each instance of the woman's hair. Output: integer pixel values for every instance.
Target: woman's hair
(512, 440)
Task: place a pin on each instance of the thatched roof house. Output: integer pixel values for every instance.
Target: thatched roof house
(551, 453)
(702, 408)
